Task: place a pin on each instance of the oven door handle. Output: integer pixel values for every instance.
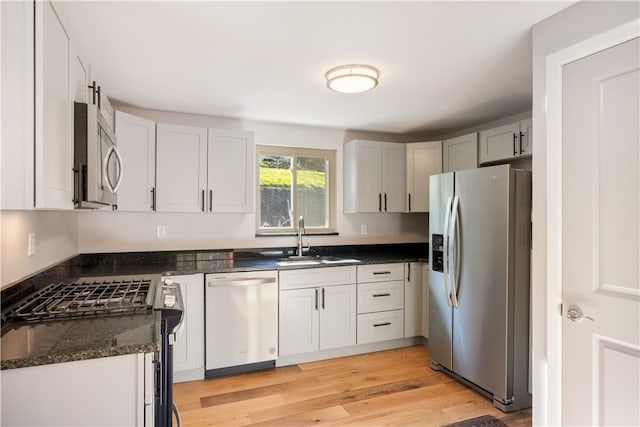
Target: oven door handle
(249, 281)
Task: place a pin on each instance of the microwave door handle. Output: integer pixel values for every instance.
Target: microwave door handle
(105, 169)
(120, 168)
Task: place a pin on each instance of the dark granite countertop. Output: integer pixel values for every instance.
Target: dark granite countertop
(44, 343)
(60, 341)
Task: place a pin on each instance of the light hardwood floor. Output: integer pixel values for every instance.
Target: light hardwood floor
(387, 388)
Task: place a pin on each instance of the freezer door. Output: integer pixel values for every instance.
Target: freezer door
(480, 322)
(440, 312)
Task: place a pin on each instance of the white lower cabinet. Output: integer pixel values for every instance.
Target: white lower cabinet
(380, 302)
(107, 391)
(188, 349)
(413, 304)
(317, 309)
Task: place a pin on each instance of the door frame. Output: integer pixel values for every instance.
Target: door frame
(554, 65)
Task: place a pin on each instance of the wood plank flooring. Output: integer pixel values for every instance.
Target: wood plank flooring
(387, 388)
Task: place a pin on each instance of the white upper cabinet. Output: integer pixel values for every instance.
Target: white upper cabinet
(526, 127)
(374, 176)
(17, 100)
(136, 138)
(423, 160)
(54, 95)
(181, 168)
(230, 171)
(506, 142)
(460, 153)
(203, 170)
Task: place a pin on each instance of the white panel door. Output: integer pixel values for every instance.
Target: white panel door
(460, 153)
(299, 319)
(181, 168)
(413, 304)
(230, 171)
(392, 176)
(53, 111)
(368, 191)
(188, 349)
(600, 238)
(526, 136)
(500, 143)
(423, 160)
(337, 316)
(136, 138)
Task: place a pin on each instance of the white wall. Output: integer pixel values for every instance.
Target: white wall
(56, 238)
(560, 31)
(128, 231)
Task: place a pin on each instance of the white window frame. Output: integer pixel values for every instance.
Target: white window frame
(295, 152)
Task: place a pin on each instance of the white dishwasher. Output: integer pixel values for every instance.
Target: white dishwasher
(241, 322)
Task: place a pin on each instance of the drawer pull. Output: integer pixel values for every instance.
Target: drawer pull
(375, 325)
(376, 273)
(381, 295)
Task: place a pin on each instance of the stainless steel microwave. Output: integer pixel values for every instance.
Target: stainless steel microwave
(98, 165)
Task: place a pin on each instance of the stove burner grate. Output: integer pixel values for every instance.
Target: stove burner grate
(86, 298)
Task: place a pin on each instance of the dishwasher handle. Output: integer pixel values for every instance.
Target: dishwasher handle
(249, 281)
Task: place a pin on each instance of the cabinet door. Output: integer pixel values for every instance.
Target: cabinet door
(17, 56)
(368, 189)
(423, 160)
(136, 139)
(338, 316)
(526, 135)
(188, 350)
(392, 176)
(181, 168)
(299, 319)
(230, 171)
(460, 153)
(413, 300)
(499, 143)
(53, 111)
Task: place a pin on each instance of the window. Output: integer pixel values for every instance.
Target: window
(295, 182)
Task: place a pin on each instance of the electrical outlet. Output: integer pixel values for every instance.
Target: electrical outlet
(31, 246)
(363, 229)
(161, 232)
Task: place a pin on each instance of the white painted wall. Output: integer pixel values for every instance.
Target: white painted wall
(56, 238)
(128, 231)
(560, 31)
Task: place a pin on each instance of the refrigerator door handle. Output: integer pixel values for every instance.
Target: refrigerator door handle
(455, 251)
(445, 251)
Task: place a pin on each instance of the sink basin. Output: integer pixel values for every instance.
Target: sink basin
(313, 260)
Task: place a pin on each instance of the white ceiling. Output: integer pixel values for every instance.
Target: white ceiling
(444, 66)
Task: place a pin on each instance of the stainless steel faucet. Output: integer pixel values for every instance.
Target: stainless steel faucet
(301, 231)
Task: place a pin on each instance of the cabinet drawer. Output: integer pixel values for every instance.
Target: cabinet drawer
(380, 272)
(383, 296)
(314, 277)
(387, 325)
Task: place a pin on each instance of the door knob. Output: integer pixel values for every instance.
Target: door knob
(575, 314)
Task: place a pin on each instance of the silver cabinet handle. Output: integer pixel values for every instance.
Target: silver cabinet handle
(575, 314)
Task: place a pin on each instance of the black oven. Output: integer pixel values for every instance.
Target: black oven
(168, 300)
(115, 296)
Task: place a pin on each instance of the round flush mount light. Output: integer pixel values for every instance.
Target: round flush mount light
(353, 78)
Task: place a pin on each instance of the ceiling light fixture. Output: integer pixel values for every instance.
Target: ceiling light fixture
(353, 78)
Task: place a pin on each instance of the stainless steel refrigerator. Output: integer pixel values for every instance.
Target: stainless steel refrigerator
(480, 238)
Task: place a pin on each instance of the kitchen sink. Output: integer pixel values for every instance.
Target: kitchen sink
(313, 260)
